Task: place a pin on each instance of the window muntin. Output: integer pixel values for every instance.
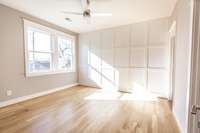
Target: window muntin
(47, 51)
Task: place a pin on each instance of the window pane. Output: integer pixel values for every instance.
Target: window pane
(64, 43)
(65, 62)
(31, 62)
(65, 53)
(42, 42)
(41, 62)
(30, 40)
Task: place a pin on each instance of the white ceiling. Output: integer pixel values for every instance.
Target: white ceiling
(124, 11)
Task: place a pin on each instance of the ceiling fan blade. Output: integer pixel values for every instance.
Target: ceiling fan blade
(88, 2)
(73, 13)
(85, 4)
(101, 14)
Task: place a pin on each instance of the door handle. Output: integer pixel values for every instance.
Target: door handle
(195, 109)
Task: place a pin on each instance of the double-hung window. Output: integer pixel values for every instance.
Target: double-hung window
(47, 51)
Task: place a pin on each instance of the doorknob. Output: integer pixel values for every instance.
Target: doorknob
(195, 109)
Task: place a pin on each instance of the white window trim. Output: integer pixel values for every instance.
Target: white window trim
(55, 34)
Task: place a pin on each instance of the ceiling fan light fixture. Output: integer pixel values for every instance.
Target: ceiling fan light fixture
(87, 13)
(101, 14)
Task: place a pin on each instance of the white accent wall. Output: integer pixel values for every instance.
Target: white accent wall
(134, 56)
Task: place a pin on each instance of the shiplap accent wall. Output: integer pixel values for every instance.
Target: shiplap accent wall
(135, 56)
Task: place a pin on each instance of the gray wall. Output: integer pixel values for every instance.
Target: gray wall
(134, 56)
(182, 16)
(12, 69)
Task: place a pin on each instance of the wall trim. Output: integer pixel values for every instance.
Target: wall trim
(177, 122)
(28, 97)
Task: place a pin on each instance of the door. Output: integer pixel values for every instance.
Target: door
(194, 106)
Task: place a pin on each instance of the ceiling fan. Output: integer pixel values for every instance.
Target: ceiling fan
(87, 13)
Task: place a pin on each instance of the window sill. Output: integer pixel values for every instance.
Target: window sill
(36, 74)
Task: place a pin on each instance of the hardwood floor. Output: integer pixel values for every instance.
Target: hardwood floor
(88, 110)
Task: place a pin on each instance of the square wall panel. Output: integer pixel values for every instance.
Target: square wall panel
(139, 34)
(107, 58)
(122, 36)
(94, 76)
(107, 79)
(122, 57)
(107, 85)
(159, 57)
(108, 73)
(138, 57)
(122, 79)
(138, 79)
(158, 32)
(94, 59)
(84, 46)
(95, 41)
(107, 39)
(158, 81)
(84, 39)
(83, 55)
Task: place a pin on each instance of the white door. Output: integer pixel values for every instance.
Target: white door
(194, 121)
(194, 106)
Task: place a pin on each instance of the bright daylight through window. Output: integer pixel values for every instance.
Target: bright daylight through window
(47, 51)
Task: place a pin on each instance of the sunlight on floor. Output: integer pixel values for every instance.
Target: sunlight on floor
(119, 96)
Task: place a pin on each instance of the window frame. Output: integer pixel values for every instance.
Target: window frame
(55, 34)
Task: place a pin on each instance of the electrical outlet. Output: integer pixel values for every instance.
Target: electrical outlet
(9, 92)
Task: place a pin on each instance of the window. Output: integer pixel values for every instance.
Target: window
(47, 51)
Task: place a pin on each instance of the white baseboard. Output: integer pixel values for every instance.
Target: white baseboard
(24, 98)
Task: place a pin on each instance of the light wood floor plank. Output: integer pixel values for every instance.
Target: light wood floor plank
(86, 110)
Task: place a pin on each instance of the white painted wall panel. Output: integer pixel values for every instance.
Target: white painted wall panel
(122, 36)
(123, 57)
(158, 57)
(94, 76)
(138, 79)
(95, 41)
(95, 50)
(139, 34)
(122, 78)
(138, 57)
(94, 59)
(107, 58)
(107, 38)
(83, 50)
(158, 32)
(108, 79)
(158, 81)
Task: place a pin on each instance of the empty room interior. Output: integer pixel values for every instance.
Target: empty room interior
(99, 66)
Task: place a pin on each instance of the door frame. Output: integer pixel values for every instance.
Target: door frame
(195, 63)
(172, 40)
